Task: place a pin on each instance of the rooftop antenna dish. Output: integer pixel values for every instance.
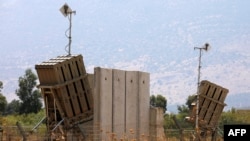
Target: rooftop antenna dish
(67, 12)
(205, 47)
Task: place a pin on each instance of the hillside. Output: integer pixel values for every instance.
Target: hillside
(153, 36)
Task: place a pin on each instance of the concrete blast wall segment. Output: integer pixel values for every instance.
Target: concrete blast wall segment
(118, 90)
(156, 124)
(121, 103)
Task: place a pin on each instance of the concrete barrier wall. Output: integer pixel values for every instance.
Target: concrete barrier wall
(132, 102)
(156, 124)
(144, 99)
(121, 103)
(102, 102)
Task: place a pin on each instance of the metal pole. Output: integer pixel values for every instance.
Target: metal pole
(205, 47)
(57, 125)
(198, 92)
(70, 25)
(38, 124)
(20, 128)
(67, 12)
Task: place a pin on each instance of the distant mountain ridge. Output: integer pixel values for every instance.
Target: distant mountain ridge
(153, 36)
(238, 101)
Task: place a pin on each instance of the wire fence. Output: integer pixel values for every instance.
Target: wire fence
(12, 133)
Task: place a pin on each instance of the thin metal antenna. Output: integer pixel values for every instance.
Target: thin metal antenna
(206, 47)
(67, 12)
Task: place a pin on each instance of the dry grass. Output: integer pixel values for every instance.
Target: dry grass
(11, 133)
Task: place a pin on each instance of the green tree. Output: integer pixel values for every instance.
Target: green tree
(3, 101)
(1, 86)
(234, 116)
(184, 110)
(13, 107)
(169, 122)
(29, 96)
(153, 100)
(159, 101)
(190, 100)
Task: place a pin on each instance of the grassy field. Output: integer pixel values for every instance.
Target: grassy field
(11, 133)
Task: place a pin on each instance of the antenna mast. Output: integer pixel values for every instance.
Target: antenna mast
(67, 12)
(206, 48)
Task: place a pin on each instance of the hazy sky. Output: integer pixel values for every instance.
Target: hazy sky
(156, 36)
